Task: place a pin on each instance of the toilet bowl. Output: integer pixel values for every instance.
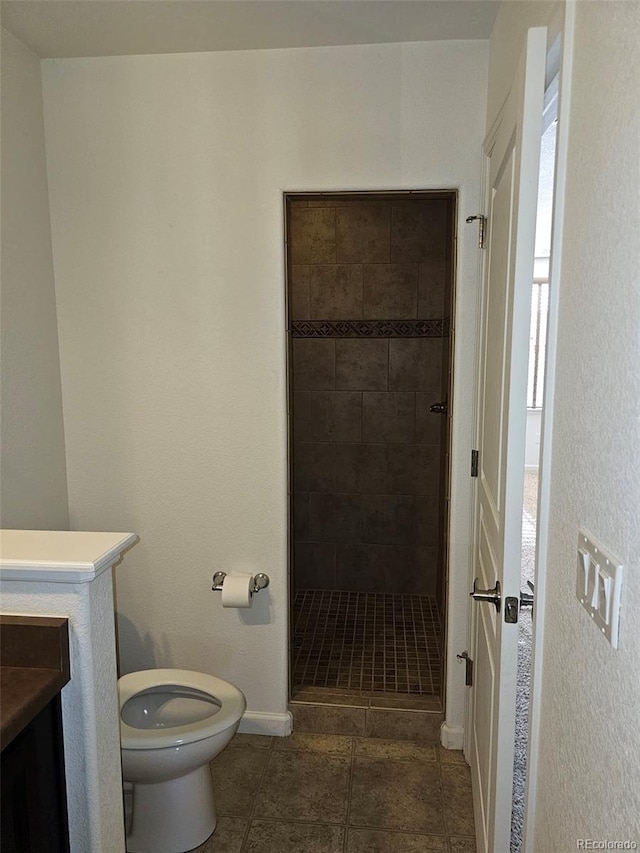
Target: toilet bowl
(173, 722)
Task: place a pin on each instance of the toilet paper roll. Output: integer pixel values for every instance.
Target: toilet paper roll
(236, 590)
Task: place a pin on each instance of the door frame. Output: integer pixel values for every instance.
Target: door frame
(453, 195)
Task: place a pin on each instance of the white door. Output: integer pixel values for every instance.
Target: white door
(512, 161)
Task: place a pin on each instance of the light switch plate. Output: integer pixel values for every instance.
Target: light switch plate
(599, 585)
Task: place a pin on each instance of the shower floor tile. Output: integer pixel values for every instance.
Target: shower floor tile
(369, 643)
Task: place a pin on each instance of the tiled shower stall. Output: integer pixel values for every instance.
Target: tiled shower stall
(369, 300)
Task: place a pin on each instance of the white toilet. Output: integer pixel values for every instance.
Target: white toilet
(173, 722)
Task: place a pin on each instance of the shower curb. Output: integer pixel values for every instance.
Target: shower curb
(363, 721)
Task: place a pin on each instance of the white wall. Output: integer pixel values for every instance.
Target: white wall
(32, 458)
(514, 18)
(588, 779)
(591, 693)
(166, 180)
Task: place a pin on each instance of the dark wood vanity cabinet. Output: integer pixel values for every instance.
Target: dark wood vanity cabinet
(34, 668)
(33, 794)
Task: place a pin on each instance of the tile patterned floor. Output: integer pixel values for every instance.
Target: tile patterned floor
(312, 793)
(367, 641)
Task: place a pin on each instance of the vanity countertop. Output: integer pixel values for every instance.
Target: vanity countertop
(34, 668)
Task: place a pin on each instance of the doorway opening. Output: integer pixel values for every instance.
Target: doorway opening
(535, 403)
(370, 295)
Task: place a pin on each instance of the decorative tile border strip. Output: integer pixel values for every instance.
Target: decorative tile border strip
(370, 328)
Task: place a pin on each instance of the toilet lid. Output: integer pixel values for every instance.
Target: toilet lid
(204, 704)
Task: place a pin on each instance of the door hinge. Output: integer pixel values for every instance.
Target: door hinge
(468, 672)
(482, 227)
(474, 463)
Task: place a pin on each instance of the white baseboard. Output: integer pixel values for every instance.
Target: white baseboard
(262, 723)
(451, 737)
(531, 467)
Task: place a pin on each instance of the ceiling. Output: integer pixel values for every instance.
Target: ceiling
(66, 28)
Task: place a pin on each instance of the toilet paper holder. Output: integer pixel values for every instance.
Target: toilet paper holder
(260, 581)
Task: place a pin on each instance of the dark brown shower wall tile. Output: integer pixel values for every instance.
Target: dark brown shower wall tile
(415, 364)
(360, 568)
(428, 424)
(379, 568)
(419, 230)
(389, 520)
(446, 358)
(336, 201)
(427, 520)
(299, 292)
(363, 234)
(362, 365)
(388, 416)
(360, 468)
(428, 568)
(338, 467)
(432, 290)
(405, 570)
(315, 565)
(312, 236)
(327, 416)
(391, 291)
(301, 515)
(372, 469)
(414, 469)
(345, 468)
(335, 518)
(301, 416)
(314, 364)
(335, 292)
(313, 467)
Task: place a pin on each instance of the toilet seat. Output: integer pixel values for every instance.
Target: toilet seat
(230, 700)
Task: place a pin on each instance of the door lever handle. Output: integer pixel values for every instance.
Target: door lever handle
(490, 595)
(438, 408)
